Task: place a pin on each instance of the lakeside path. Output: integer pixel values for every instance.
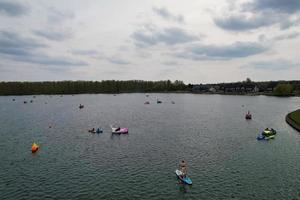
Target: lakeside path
(293, 119)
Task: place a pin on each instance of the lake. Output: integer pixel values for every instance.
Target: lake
(225, 161)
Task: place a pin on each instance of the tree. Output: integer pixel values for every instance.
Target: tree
(283, 89)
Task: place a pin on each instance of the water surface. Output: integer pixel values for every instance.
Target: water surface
(208, 131)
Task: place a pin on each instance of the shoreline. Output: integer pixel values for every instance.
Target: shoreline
(294, 124)
(161, 92)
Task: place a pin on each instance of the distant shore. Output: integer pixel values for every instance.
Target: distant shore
(293, 119)
(249, 88)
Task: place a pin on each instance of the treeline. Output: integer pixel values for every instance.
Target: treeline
(275, 88)
(80, 87)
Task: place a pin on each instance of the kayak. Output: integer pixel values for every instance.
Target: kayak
(185, 179)
(269, 132)
(99, 131)
(119, 130)
(269, 137)
(262, 137)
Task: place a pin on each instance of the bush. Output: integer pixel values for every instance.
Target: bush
(283, 89)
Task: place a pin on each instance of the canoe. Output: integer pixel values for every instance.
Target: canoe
(185, 179)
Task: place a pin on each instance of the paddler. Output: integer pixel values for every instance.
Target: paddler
(183, 168)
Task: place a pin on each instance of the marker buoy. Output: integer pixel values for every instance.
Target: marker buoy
(34, 148)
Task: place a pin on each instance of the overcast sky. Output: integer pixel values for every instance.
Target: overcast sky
(195, 41)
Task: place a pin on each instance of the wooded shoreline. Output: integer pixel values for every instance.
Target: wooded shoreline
(271, 88)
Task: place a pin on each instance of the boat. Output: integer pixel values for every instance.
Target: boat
(248, 115)
(119, 130)
(99, 130)
(92, 130)
(269, 137)
(268, 132)
(185, 179)
(260, 137)
(158, 101)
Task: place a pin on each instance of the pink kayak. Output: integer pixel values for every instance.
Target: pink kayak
(119, 130)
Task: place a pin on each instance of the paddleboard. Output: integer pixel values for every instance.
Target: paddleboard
(185, 179)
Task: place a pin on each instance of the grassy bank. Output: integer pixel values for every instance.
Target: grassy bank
(293, 119)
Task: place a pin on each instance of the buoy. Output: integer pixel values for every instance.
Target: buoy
(34, 147)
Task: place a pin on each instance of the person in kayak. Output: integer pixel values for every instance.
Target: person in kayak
(183, 168)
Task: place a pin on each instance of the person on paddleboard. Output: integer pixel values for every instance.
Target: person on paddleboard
(183, 168)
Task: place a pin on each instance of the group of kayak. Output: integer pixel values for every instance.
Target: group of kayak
(116, 130)
(267, 134)
(158, 102)
(99, 130)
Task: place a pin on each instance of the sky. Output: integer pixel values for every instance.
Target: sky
(194, 41)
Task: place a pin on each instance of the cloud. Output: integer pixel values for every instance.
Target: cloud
(151, 35)
(47, 60)
(287, 36)
(261, 13)
(18, 48)
(13, 9)
(225, 52)
(286, 6)
(242, 22)
(53, 35)
(13, 44)
(82, 52)
(165, 14)
(57, 16)
(117, 60)
(170, 63)
(278, 64)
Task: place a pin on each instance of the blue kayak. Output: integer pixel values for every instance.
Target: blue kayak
(185, 179)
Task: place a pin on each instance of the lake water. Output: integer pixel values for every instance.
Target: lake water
(209, 131)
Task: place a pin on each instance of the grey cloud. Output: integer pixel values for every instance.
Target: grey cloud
(164, 13)
(170, 63)
(85, 52)
(287, 36)
(12, 43)
(47, 60)
(225, 52)
(261, 13)
(168, 36)
(242, 23)
(279, 64)
(57, 16)
(13, 9)
(53, 35)
(287, 6)
(118, 60)
(18, 48)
